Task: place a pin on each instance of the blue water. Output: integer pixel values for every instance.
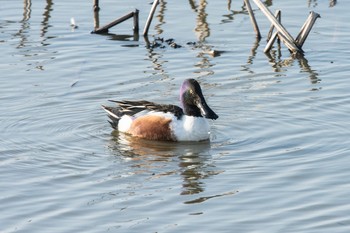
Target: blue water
(277, 160)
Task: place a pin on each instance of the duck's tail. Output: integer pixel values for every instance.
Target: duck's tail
(114, 114)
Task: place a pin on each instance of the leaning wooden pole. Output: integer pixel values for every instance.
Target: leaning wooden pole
(290, 44)
(306, 28)
(252, 19)
(150, 16)
(105, 28)
(284, 34)
(271, 38)
(273, 20)
(271, 42)
(278, 17)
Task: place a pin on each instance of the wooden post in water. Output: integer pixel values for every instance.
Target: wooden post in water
(105, 28)
(306, 28)
(96, 19)
(96, 6)
(270, 42)
(252, 19)
(136, 21)
(295, 46)
(278, 17)
(273, 20)
(287, 39)
(271, 38)
(150, 16)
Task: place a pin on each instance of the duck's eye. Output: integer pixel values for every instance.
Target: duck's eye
(188, 96)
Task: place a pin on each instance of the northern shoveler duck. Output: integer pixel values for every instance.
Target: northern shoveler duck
(153, 121)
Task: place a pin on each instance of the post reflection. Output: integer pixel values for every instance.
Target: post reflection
(230, 17)
(25, 25)
(45, 22)
(24, 33)
(253, 52)
(305, 67)
(192, 161)
(157, 62)
(202, 27)
(27, 10)
(278, 64)
(202, 32)
(160, 16)
(205, 67)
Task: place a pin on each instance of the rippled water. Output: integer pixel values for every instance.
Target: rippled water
(278, 156)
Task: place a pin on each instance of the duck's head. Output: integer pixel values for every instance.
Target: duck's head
(193, 100)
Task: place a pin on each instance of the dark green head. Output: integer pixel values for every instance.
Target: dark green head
(193, 101)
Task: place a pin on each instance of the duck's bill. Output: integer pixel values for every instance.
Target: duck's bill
(206, 110)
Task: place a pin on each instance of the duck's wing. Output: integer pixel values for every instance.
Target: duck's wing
(128, 107)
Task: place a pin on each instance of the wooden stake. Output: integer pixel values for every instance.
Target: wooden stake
(270, 42)
(96, 20)
(284, 34)
(105, 28)
(252, 19)
(278, 17)
(271, 38)
(150, 16)
(306, 28)
(290, 45)
(136, 21)
(96, 6)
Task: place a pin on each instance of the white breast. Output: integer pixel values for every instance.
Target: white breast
(190, 128)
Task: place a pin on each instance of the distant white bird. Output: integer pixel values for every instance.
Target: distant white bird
(72, 23)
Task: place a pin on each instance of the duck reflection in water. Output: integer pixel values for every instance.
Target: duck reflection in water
(191, 160)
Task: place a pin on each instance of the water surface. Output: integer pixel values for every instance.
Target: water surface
(277, 160)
